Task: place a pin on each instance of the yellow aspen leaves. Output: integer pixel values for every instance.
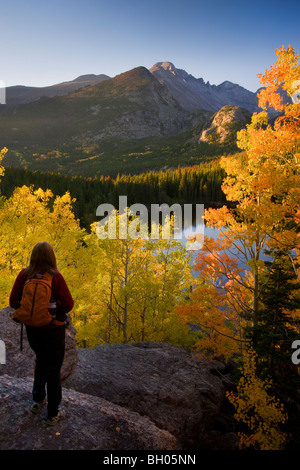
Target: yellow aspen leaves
(254, 407)
(2, 155)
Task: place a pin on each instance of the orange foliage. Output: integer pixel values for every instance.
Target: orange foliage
(264, 182)
(281, 75)
(281, 142)
(214, 304)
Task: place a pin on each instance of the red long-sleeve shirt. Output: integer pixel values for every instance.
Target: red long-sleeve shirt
(60, 292)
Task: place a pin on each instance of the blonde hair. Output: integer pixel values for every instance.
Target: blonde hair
(42, 260)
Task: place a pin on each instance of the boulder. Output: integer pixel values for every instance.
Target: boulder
(150, 396)
(91, 423)
(177, 390)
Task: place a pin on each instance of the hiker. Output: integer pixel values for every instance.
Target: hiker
(42, 282)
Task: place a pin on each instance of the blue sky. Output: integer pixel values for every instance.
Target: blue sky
(48, 42)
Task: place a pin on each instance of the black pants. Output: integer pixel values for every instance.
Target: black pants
(48, 343)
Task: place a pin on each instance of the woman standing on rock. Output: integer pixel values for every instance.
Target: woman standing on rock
(37, 288)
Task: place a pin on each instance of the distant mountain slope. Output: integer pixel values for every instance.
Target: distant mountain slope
(131, 105)
(80, 129)
(192, 93)
(139, 119)
(17, 95)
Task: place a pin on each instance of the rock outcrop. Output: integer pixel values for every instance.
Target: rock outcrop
(176, 390)
(91, 423)
(223, 125)
(147, 396)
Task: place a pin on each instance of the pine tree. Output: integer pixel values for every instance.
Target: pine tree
(278, 323)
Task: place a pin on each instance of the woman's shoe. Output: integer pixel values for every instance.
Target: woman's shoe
(52, 421)
(37, 406)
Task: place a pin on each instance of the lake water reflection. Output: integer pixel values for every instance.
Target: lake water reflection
(210, 232)
(201, 230)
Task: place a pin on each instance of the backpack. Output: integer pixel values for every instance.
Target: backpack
(35, 302)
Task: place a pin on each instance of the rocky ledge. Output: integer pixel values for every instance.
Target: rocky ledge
(138, 396)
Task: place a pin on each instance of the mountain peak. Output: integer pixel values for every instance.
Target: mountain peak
(163, 65)
(193, 93)
(137, 72)
(227, 85)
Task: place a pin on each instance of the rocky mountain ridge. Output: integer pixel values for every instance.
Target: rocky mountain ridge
(194, 94)
(190, 92)
(116, 120)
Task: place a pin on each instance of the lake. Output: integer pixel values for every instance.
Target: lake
(210, 232)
